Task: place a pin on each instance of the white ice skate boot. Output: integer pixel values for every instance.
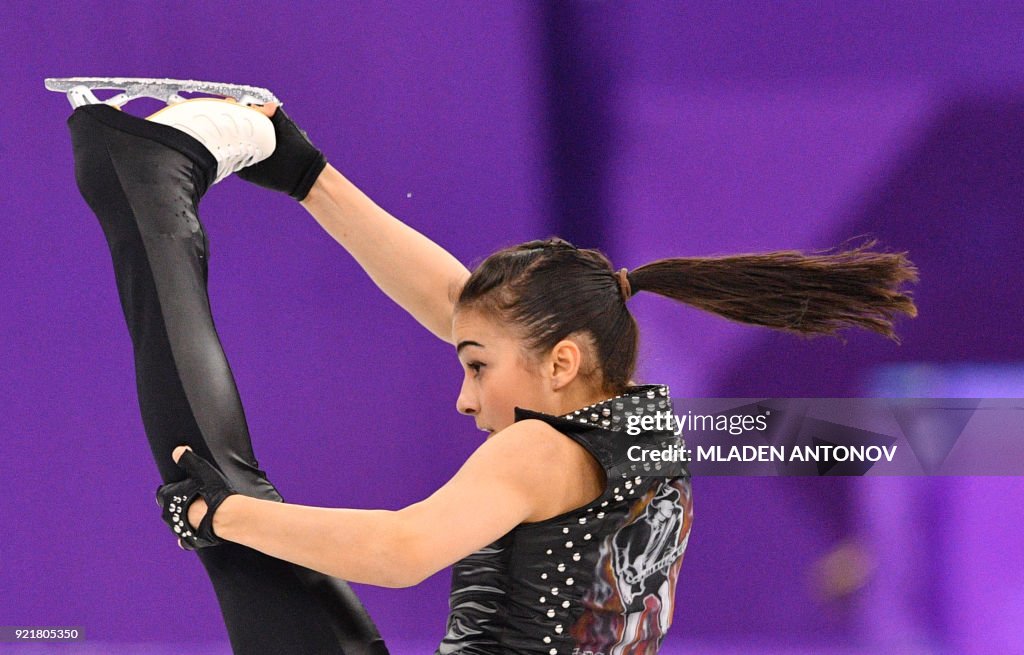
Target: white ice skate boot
(236, 134)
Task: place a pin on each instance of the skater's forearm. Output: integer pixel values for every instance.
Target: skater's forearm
(527, 472)
(366, 546)
(412, 270)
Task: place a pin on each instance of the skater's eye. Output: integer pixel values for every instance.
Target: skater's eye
(474, 366)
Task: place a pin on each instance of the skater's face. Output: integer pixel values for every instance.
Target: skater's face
(500, 374)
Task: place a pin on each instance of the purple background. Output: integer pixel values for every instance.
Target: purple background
(648, 130)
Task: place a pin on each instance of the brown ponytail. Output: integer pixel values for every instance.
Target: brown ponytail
(787, 290)
(550, 290)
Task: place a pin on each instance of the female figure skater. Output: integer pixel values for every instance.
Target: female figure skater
(560, 542)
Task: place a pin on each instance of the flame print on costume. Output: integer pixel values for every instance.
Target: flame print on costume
(634, 587)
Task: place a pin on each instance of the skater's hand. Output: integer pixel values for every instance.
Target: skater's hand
(197, 498)
(267, 109)
(296, 162)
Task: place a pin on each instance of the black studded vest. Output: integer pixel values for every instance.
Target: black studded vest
(599, 579)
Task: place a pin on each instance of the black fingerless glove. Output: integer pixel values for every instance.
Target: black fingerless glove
(295, 164)
(176, 497)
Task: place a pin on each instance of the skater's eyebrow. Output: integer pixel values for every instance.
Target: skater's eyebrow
(463, 344)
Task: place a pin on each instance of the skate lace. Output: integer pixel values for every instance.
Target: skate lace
(236, 156)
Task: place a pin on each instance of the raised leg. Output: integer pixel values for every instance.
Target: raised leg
(143, 181)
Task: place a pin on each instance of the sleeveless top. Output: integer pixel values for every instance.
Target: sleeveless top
(597, 580)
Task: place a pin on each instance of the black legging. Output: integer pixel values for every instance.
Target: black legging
(143, 181)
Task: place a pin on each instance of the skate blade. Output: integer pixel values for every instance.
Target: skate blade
(80, 90)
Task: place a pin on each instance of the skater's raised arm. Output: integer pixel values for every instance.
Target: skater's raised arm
(419, 275)
(412, 270)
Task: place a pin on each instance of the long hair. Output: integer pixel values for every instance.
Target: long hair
(549, 290)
